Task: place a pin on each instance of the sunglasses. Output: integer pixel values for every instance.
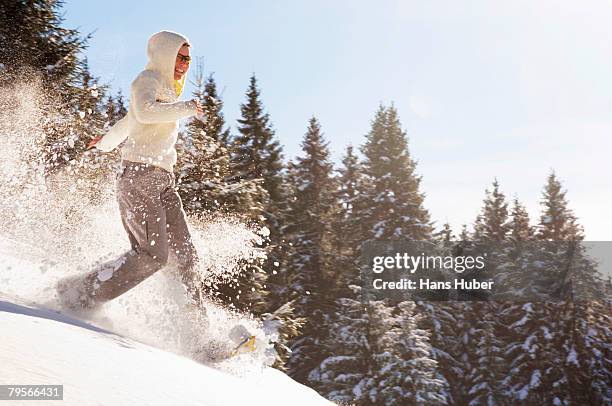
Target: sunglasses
(184, 58)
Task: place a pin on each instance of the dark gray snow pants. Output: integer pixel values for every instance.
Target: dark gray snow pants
(153, 217)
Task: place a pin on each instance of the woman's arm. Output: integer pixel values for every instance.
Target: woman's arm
(113, 137)
(148, 110)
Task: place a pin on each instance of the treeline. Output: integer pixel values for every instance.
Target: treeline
(319, 217)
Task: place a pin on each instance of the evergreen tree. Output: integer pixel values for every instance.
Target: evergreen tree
(312, 211)
(33, 42)
(390, 201)
(203, 159)
(446, 322)
(346, 226)
(464, 235)
(554, 344)
(487, 352)
(401, 370)
(255, 155)
(339, 376)
(492, 223)
(206, 187)
(213, 105)
(520, 230)
(380, 321)
(446, 234)
(36, 49)
(115, 108)
(408, 377)
(557, 222)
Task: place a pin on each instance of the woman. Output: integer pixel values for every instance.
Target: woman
(151, 209)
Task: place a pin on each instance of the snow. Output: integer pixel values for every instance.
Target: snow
(572, 357)
(264, 231)
(522, 394)
(98, 367)
(127, 354)
(147, 359)
(535, 378)
(528, 309)
(527, 344)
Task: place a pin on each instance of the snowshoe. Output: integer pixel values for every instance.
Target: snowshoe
(247, 345)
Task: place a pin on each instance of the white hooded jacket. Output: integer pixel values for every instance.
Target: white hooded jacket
(151, 125)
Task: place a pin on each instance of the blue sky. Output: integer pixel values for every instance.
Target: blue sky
(484, 88)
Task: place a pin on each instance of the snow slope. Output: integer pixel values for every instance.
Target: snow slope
(142, 361)
(98, 367)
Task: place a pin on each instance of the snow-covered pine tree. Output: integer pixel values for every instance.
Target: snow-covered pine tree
(401, 370)
(446, 322)
(464, 235)
(556, 355)
(557, 221)
(445, 235)
(213, 106)
(33, 42)
(278, 281)
(520, 228)
(257, 154)
(206, 188)
(492, 223)
(388, 205)
(583, 334)
(390, 201)
(218, 191)
(409, 374)
(380, 321)
(343, 368)
(595, 333)
(346, 227)
(339, 376)
(533, 343)
(115, 108)
(203, 161)
(310, 265)
(480, 347)
(36, 49)
(487, 348)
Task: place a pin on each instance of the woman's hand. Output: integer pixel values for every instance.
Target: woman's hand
(199, 108)
(93, 142)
